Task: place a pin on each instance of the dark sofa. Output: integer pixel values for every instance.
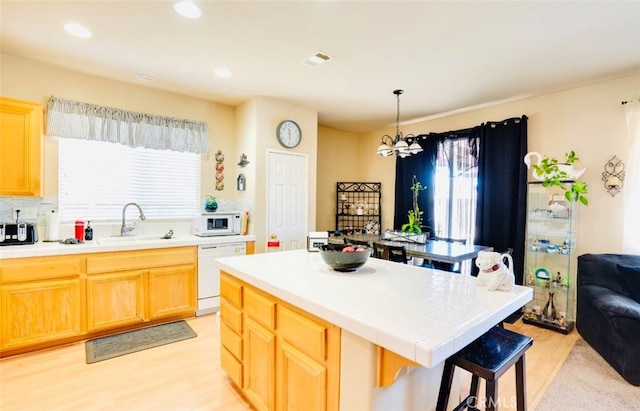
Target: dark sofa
(608, 310)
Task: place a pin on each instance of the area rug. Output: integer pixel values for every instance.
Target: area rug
(586, 381)
(104, 348)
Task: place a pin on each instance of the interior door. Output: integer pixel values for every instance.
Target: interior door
(287, 199)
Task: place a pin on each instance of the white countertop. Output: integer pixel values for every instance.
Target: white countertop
(422, 314)
(109, 244)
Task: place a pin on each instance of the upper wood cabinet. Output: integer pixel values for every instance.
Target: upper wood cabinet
(20, 147)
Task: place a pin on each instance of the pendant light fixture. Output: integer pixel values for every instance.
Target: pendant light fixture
(398, 145)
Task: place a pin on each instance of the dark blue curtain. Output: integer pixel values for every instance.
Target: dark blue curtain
(422, 165)
(502, 189)
(502, 184)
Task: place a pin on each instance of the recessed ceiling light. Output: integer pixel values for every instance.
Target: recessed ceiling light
(187, 9)
(145, 78)
(77, 30)
(222, 72)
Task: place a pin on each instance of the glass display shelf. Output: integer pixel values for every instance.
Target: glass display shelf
(550, 260)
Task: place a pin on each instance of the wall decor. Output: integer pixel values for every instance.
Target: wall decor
(219, 170)
(241, 183)
(613, 175)
(243, 160)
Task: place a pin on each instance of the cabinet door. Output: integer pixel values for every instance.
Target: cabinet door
(172, 291)
(20, 147)
(115, 299)
(302, 380)
(259, 365)
(39, 311)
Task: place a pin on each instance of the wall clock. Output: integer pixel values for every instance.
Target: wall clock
(289, 134)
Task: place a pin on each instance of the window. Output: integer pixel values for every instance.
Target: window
(456, 185)
(96, 179)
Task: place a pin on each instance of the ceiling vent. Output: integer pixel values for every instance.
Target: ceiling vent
(316, 59)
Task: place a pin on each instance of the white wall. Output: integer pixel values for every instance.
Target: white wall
(258, 120)
(249, 128)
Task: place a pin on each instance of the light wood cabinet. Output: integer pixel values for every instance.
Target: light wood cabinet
(46, 301)
(302, 381)
(40, 300)
(259, 365)
(307, 361)
(290, 359)
(137, 286)
(172, 291)
(41, 311)
(115, 300)
(231, 329)
(20, 147)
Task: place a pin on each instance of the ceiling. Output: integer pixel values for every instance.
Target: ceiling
(447, 56)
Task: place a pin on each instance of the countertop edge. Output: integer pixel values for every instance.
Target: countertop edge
(42, 249)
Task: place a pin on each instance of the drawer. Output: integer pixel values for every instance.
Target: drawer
(260, 308)
(231, 341)
(231, 316)
(232, 366)
(231, 290)
(132, 260)
(303, 333)
(39, 268)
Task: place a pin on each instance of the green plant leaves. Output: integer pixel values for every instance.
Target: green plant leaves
(554, 177)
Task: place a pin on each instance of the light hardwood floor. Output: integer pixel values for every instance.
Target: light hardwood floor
(186, 376)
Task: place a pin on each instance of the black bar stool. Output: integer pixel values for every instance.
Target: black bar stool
(488, 357)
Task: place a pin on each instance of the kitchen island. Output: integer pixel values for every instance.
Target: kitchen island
(387, 313)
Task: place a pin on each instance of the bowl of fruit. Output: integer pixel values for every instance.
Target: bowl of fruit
(345, 257)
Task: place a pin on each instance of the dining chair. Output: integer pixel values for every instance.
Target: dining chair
(397, 253)
(356, 242)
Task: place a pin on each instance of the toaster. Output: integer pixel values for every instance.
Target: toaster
(17, 233)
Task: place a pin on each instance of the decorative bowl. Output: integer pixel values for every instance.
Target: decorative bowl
(338, 260)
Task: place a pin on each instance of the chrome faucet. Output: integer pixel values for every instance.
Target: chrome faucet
(124, 229)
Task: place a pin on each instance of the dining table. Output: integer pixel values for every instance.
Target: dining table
(434, 250)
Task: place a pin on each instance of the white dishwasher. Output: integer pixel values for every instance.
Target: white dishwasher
(209, 274)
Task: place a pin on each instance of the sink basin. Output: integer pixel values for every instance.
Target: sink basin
(129, 239)
(114, 240)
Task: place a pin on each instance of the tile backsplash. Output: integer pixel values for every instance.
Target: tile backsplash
(44, 205)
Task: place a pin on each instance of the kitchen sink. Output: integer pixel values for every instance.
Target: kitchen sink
(130, 239)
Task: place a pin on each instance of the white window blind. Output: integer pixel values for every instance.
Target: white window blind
(96, 179)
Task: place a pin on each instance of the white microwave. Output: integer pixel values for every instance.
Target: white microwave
(211, 224)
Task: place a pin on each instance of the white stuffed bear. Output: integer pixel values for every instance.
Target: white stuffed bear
(494, 274)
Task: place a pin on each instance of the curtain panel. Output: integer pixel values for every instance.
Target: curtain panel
(502, 189)
(630, 243)
(502, 184)
(72, 119)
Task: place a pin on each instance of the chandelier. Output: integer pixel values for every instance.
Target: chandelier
(402, 146)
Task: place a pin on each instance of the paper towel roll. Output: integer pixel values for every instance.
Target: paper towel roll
(53, 226)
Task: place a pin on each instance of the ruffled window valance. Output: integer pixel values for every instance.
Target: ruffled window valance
(72, 119)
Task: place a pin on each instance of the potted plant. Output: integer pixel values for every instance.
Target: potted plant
(414, 226)
(554, 174)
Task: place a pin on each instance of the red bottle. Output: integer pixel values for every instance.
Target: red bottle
(80, 230)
